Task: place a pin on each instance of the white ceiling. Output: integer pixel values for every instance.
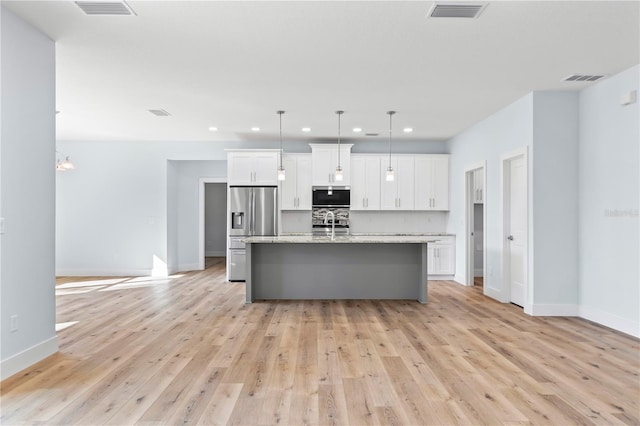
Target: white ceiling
(233, 64)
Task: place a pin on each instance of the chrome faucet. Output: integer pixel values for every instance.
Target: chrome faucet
(333, 223)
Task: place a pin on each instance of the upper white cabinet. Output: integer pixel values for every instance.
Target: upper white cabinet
(365, 182)
(252, 167)
(478, 186)
(397, 194)
(296, 188)
(325, 161)
(432, 182)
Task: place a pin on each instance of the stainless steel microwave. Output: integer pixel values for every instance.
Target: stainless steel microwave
(325, 196)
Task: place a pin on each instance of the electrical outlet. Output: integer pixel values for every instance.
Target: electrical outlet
(13, 323)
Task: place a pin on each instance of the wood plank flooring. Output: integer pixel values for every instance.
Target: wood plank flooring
(188, 350)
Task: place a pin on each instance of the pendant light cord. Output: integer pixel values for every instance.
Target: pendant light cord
(280, 114)
(390, 127)
(339, 114)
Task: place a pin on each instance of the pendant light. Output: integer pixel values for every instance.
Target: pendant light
(64, 165)
(390, 173)
(281, 171)
(339, 175)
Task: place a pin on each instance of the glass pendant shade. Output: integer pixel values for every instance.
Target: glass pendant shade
(67, 164)
(281, 173)
(390, 174)
(338, 175)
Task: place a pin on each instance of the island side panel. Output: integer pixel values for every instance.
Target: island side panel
(423, 283)
(249, 274)
(337, 271)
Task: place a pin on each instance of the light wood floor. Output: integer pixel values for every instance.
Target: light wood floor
(188, 350)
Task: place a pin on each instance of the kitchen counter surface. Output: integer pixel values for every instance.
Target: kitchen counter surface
(344, 239)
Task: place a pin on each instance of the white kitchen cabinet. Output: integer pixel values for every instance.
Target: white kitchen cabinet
(324, 159)
(432, 182)
(295, 190)
(365, 182)
(478, 186)
(397, 194)
(441, 259)
(252, 167)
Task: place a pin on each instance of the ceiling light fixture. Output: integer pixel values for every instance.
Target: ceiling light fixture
(339, 176)
(213, 129)
(407, 129)
(306, 129)
(255, 129)
(281, 172)
(63, 165)
(357, 129)
(390, 173)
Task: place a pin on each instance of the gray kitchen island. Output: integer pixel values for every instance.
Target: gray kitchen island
(348, 267)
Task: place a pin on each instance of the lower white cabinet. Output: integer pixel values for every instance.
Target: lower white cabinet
(441, 256)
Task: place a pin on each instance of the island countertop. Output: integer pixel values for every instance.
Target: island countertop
(345, 239)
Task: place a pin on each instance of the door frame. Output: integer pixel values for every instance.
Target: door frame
(469, 222)
(201, 182)
(505, 199)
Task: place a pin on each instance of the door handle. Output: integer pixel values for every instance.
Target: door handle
(510, 238)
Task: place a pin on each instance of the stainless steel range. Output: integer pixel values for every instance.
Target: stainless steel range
(330, 208)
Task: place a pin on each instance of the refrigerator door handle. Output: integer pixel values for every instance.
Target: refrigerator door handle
(252, 206)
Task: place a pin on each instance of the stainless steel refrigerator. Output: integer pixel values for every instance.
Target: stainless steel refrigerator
(253, 211)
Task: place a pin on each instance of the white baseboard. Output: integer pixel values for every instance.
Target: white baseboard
(623, 325)
(28, 357)
(215, 253)
(441, 278)
(188, 267)
(554, 310)
(103, 272)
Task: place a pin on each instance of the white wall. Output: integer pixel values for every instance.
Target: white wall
(554, 209)
(609, 203)
(215, 222)
(188, 174)
(507, 130)
(27, 195)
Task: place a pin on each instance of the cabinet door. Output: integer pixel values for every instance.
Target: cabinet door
(240, 168)
(322, 170)
(478, 184)
(359, 183)
(288, 187)
(440, 183)
(303, 187)
(431, 260)
(446, 259)
(372, 182)
(422, 183)
(388, 189)
(265, 168)
(404, 170)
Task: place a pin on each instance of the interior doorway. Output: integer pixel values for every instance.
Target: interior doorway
(515, 225)
(212, 232)
(476, 224)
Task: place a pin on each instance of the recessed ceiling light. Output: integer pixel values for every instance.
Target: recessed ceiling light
(306, 129)
(255, 129)
(213, 129)
(408, 129)
(357, 129)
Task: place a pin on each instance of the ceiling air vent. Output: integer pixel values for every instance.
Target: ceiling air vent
(583, 77)
(105, 7)
(372, 134)
(456, 10)
(159, 112)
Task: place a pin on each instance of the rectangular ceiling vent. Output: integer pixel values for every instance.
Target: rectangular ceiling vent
(118, 8)
(583, 77)
(456, 10)
(159, 112)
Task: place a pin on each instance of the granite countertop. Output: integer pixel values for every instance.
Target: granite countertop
(350, 239)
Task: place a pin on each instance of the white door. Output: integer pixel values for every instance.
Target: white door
(517, 230)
